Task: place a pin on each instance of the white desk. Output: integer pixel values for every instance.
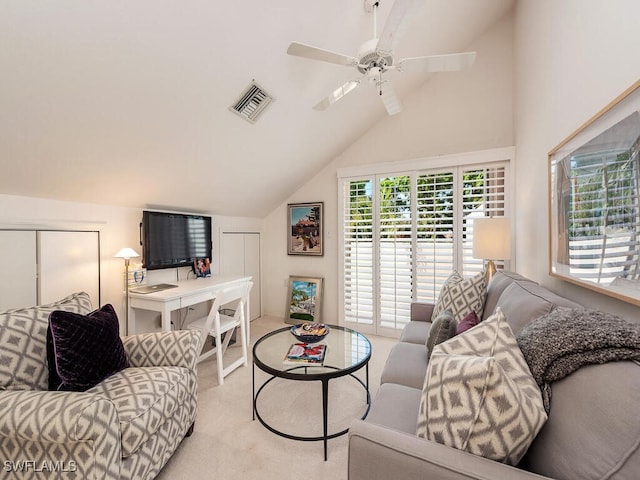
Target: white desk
(187, 293)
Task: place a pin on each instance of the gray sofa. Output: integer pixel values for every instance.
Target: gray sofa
(593, 429)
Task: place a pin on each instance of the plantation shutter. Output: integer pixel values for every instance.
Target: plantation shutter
(395, 251)
(357, 262)
(434, 233)
(483, 195)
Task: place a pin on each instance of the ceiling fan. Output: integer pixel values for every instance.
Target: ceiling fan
(375, 57)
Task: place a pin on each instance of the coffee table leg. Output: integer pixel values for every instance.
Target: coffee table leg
(325, 413)
(253, 389)
(367, 377)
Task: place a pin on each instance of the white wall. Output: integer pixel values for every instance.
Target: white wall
(450, 113)
(119, 227)
(571, 59)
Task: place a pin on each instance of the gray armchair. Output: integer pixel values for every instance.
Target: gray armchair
(125, 427)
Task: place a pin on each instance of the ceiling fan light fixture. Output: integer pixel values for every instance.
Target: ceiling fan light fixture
(375, 56)
(374, 75)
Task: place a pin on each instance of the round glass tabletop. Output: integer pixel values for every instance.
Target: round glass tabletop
(347, 351)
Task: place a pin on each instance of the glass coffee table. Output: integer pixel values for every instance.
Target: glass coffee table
(347, 352)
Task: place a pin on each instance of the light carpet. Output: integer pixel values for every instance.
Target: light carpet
(227, 443)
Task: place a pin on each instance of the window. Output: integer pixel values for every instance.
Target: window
(404, 232)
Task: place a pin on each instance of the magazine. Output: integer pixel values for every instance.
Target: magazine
(306, 354)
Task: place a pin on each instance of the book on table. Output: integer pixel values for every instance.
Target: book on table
(306, 354)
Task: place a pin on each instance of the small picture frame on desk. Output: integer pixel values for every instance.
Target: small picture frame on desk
(137, 276)
(202, 267)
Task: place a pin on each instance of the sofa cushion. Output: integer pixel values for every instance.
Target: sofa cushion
(406, 365)
(558, 344)
(523, 302)
(499, 282)
(83, 350)
(23, 342)
(479, 395)
(443, 328)
(396, 406)
(462, 296)
(421, 311)
(593, 431)
(145, 397)
(415, 332)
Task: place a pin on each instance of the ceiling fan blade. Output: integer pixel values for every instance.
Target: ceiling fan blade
(437, 63)
(396, 25)
(389, 98)
(314, 53)
(336, 95)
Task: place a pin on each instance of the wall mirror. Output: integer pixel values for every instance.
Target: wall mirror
(594, 176)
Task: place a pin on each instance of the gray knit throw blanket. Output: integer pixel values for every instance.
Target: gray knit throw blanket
(559, 343)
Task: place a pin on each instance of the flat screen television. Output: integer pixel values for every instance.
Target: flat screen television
(174, 239)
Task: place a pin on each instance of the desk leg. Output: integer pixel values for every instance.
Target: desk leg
(165, 317)
(247, 320)
(131, 320)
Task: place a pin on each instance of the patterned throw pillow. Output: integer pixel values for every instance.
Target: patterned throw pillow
(83, 350)
(442, 329)
(469, 321)
(462, 296)
(23, 342)
(479, 395)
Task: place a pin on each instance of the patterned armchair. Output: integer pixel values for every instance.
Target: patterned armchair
(125, 427)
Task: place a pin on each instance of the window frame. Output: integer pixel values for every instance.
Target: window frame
(457, 164)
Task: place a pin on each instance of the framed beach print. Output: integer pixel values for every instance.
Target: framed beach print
(305, 229)
(594, 205)
(304, 299)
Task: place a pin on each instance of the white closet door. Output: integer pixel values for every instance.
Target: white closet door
(69, 262)
(252, 267)
(18, 269)
(240, 255)
(232, 254)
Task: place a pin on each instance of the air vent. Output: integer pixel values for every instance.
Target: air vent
(253, 101)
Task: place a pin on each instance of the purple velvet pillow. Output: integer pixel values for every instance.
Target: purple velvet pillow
(470, 320)
(83, 350)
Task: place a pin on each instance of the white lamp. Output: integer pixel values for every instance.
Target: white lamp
(491, 241)
(126, 253)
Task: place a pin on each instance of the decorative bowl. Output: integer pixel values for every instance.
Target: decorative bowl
(310, 332)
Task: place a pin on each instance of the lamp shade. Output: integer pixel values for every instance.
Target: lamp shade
(126, 253)
(492, 238)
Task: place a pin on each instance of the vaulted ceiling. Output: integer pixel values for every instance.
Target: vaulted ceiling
(127, 102)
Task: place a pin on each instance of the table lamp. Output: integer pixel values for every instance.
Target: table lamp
(126, 253)
(491, 241)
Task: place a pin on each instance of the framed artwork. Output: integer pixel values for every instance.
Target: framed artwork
(594, 202)
(304, 299)
(305, 229)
